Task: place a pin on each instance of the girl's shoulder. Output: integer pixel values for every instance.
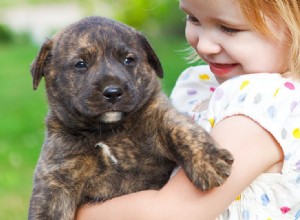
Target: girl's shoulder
(269, 99)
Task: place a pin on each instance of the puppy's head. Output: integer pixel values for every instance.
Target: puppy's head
(97, 70)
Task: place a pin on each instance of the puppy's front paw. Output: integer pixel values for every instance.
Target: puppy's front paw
(209, 168)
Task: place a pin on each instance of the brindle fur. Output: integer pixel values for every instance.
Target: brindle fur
(85, 159)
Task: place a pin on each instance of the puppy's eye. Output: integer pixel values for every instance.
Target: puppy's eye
(81, 65)
(128, 61)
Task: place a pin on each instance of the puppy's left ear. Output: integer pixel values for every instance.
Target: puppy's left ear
(151, 56)
(37, 66)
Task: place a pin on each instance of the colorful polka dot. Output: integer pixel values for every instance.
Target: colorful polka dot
(298, 166)
(191, 92)
(212, 122)
(242, 97)
(257, 98)
(185, 76)
(276, 92)
(265, 199)
(204, 77)
(293, 105)
(297, 216)
(272, 111)
(283, 133)
(288, 156)
(289, 85)
(212, 89)
(285, 209)
(244, 84)
(296, 133)
(238, 198)
(246, 215)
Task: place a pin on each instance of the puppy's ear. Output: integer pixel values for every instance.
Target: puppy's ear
(151, 56)
(38, 64)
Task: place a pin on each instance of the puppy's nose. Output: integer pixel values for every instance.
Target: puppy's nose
(112, 94)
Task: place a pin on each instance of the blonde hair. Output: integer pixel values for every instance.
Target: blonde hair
(285, 13)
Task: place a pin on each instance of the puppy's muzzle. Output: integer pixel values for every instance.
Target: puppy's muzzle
(113, 94)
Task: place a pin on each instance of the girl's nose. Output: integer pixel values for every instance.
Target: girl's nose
(207, 44)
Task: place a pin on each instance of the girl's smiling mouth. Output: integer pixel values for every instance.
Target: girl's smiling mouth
(222, 69)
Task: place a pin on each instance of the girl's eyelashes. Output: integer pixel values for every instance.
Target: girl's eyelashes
(192, 19)
(228, 30)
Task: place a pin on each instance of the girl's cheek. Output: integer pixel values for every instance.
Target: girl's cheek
(191, 37)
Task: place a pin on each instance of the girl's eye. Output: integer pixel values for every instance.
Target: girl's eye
(228, 30)
(128, 61)
(192, 19)
(81, 65)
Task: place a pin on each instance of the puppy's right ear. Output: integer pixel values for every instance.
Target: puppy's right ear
(38, 64)
(151, 55)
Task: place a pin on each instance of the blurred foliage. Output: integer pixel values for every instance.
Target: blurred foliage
(6, 35)
(152, 16)
(10, 3)
(155, 16)
(161, 14)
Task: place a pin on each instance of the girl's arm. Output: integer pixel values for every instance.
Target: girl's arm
(255, 151)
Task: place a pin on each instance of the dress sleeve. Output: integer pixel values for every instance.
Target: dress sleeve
(270, 100)
(195, 85)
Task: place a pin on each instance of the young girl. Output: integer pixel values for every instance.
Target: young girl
(252, 48)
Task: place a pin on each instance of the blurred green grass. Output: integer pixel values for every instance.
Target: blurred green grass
(21, 128)
(22, 113)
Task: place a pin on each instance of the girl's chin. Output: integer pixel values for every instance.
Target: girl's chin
(220, 80)
(223, 78)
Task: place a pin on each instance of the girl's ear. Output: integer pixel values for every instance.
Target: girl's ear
(37, 66)
(151, 56)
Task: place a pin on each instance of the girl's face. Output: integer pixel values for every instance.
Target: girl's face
(222, 37)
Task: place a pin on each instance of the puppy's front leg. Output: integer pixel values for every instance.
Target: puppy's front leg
(51, 201)
(205, 164)
(48, 204)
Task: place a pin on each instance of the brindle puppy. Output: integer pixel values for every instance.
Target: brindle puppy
(110, 129)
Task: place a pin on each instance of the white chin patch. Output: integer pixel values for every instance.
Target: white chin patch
(110, 117)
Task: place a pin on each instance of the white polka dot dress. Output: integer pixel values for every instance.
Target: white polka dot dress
(274, 103)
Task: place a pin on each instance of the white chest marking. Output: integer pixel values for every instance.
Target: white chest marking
(107, 152)
(110, 117)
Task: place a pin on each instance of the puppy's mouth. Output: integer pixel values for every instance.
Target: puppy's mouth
(111, 117)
